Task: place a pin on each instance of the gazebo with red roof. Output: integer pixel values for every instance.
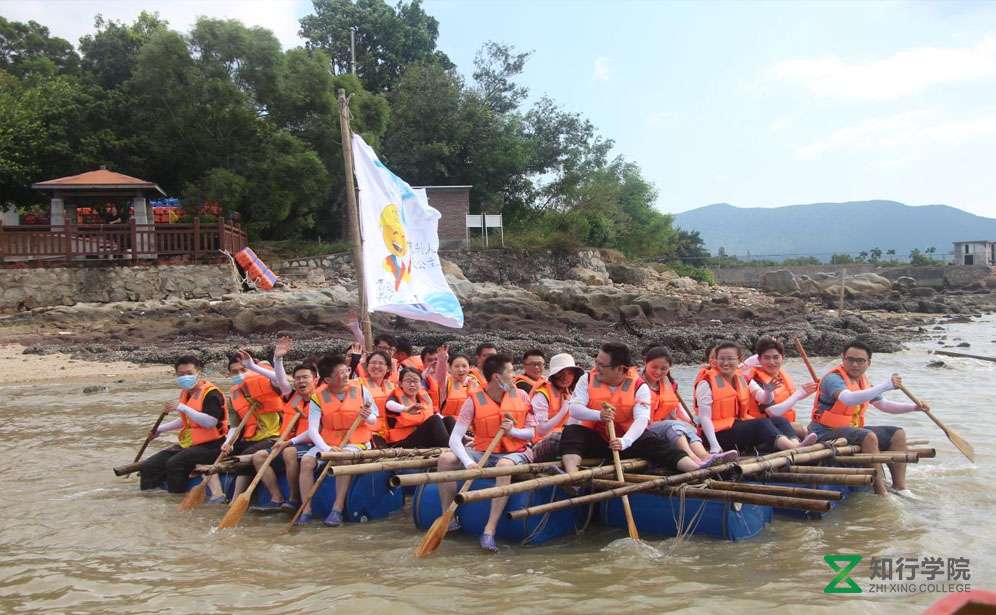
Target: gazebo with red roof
(95, 187)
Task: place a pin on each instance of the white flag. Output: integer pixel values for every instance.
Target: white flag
(400, 245)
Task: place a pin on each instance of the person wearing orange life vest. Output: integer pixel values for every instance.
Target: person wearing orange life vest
(331, 413)
(533, 364)
(481, 353)
(839, 412)
(404, 356)
(485, 410)
(722, 400)
(201, 424)
(410, 420)
(773, 392)
(304, 384)
(667, 418)
(452, 384)
(428, 359)
(550, 403)
(380, 386)
(610, 392)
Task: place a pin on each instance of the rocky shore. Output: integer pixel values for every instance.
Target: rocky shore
(519, 300)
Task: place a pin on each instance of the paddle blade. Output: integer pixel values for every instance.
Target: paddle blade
(194, 497)
(962, 445)
(235, 512)
(630, 523)
(433, 537)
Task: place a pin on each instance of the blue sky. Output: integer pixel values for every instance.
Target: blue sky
(755, 104)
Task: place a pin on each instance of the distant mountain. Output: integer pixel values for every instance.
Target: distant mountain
(822, 229)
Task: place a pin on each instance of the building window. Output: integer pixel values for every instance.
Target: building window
(966, 248)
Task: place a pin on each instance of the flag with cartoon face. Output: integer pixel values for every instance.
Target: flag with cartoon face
(400, 245)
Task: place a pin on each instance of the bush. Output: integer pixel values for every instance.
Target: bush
(699, 274)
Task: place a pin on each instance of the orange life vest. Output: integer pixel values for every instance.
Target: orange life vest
(456, 395)
(338, 415)
(380, 396)
(256, 270)
(488, 416)
(192, 433)
(783, 392)
(414, 362)
(257, 392)
(840, 415)
(400, 425)
(555, 401)
(729, 403)
(477, 375)
(663, 402)
(297, 402)
(519, 378)
(623, 399)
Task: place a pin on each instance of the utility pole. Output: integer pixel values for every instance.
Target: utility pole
(352, 48)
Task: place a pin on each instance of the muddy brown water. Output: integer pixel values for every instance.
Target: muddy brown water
(76, 539)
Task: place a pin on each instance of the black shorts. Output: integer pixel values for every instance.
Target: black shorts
(580, 440)
(855, 435)
(244, 447)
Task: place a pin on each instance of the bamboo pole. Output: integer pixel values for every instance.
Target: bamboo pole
(923, 452)
(381, 453)
(917, 441)
(128, 469)
(778, 490)
(352, 210)
(825, 450)
(829, 470)
(695, 492)
(545, 481)
(382, 466)
(426, 478)
(762, 465)
(871, 458)
(222, 467)
(853, 480)
(962, 355)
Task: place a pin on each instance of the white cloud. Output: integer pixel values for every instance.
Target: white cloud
(601, 69)
(901, 74)
(904, 137)
(71, 20)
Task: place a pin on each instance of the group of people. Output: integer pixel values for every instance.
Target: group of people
(392, 397)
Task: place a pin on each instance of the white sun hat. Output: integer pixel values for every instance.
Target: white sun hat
(562, 361)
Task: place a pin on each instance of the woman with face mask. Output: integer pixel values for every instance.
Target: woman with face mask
(201, 424)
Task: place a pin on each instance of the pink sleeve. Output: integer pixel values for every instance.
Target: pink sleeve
(466, 417)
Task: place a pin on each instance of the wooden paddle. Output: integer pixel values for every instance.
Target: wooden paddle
(691, 414)
(805, 359)
(149, 437)
(630, 523)
(960, 443)
(195, 497)
(433, 537)
(325, 472)
(240, 504)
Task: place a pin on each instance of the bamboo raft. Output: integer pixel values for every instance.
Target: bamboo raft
(731, 501)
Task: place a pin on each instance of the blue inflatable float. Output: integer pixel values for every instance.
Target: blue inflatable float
(531, 530)
(370, 496)
(659, 515)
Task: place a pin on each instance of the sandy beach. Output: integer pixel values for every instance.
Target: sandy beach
(37, 368)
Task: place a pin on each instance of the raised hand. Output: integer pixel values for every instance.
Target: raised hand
(897, 381)
(282, 347)
(171, 405)
(809, 388)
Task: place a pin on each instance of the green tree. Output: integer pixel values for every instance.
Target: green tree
(875, 255)
(495, 67)
(28, 50)
(109, 54)
(388, 39)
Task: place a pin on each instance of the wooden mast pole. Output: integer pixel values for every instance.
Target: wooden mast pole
(354, 219)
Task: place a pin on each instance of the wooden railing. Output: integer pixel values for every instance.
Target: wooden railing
(86, 243)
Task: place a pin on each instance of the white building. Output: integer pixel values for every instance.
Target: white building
(974, 253)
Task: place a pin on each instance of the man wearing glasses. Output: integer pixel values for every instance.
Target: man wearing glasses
(839, 412)
(611, 392)
(533, 364)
